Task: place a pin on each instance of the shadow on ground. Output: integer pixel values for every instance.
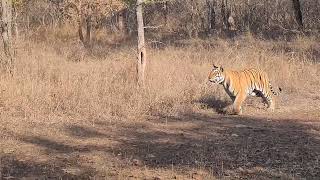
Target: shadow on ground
(223, 146)
(12, 168)
(63, 160)
(230, 146)
(214, 103)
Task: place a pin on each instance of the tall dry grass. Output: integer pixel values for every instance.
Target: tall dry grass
(47, 85)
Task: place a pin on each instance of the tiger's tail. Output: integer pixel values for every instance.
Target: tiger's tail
(273, 92)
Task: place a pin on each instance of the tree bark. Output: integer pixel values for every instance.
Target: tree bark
(248, 17)
(80, 23)
(298, 13)
(224, 14)
(88, 30)
(211, 15)
(141, 64)
(166, 12)
(6, 33)
(88, 16)
(121, 23)
(14, 23)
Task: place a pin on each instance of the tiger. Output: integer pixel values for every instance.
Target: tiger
(239, 84)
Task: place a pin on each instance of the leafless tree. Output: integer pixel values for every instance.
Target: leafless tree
(142, 59)
(211, 15)
(224, 13)
(298, 13)
(6, 33)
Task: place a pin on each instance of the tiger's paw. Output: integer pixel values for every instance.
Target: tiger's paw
(231, 111)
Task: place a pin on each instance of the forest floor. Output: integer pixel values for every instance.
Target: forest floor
(202, 145)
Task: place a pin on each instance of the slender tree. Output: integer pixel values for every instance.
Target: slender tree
(84, 16)
(142, 54)
(224, 13)
(88, 24)
(6, 33)
(211, 15)
(298, 13)
(79, 21)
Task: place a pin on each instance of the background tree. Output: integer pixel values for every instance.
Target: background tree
(211, 15)
(298, 13)
(6, 33)
(142, 59)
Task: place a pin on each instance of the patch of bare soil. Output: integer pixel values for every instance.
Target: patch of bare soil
(201, 145)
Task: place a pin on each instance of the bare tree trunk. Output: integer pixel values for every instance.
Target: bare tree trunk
(28, 22)
(88, 15)
(141, 66)
(224, 14)
(80, 33)
(298, 13)
(211, 15)
(268, 17)
(6, 32)
(248, 16)
(14, 23)
(121, 23)
(166, 12)
(88, 32)
(193, 31)
(192, 18)
(79, 21)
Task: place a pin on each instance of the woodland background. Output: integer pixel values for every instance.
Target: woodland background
(70, 106)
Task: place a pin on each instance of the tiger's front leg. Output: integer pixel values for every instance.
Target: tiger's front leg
(237, 109)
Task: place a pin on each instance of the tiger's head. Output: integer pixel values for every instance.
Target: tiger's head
(216, 75)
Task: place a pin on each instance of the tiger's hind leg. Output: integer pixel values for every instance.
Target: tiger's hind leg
(269, 100)
(271, 105)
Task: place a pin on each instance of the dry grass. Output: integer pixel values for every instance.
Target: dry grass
(51, 91)
(46, 83)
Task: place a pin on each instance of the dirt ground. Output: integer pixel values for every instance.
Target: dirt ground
(198, 145)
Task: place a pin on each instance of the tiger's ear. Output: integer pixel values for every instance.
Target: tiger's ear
(214, 66)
